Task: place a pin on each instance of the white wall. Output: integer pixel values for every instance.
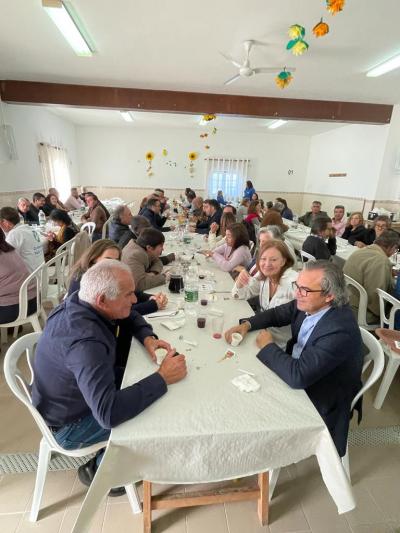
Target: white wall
(31, 125)
(116, 156)
(356, 150)
(388, 187)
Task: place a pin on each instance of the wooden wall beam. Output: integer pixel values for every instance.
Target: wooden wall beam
(27, 92)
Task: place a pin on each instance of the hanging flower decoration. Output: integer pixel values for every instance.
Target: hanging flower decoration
(283, 78)
(203, 135)
(165, 152)
(297, 45)
(207, 147)
(214, 130)
(320, 29)
(149, 159)
(334, 6)
(209, 117)
(192, 158)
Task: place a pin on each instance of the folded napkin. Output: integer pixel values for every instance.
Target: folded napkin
(245, 383)
(173, 324)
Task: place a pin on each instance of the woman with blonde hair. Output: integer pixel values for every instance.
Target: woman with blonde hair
(355, 229)
(273, 282)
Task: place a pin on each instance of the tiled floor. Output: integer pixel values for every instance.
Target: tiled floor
(301, 503)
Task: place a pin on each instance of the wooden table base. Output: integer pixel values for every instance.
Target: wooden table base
(228, 494)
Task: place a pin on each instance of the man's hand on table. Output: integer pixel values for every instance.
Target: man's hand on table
(243, 329)
(264, 338)
(173, 368)
(151, 344)
(161, 300)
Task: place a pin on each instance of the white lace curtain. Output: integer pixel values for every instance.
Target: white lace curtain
(55, 168)
(228, 175)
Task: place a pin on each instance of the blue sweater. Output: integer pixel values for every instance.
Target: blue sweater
(74, 370)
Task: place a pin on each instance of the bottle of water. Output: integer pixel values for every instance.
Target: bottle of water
(191, 295)
(42, 219)
(295, 221)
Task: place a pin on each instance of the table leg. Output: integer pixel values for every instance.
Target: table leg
(263, 500)
(146, 507)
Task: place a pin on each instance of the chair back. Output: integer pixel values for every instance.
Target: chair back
(104, 231)
(387, 320)
(34, 279)
(306, 257)
(60, 262)
(81, 243)
(363, 300)
(20, 387)
(376, 356)
(89, 227)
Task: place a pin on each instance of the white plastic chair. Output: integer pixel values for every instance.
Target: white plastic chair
(48, 445)
(104, 231)
(89, 227)
(374, 355)
(393, 362)
(362, 303)
(53, 292)
(23, 318)
(306, 257)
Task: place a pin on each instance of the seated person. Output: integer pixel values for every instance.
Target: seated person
(220, 198)
(196, 209)
(143, 258)
(67, 231)
(107, 249)
(54, 191)
(214, 239)
(235, 251)
(315, 244)
(213, 213)
(76, 388)
(285, 211)
(74, 201)
(22, 237)
(273, 218)
(38, 203)
(23, 206)
(229, 208)
(324, 356)
(52, 203)
(372, 268)
(163, 199)
(355, 229)
(88, 193)
(118, 228)
(254, 212)
(137, 224)
(339, 220)
(13, 272)
(241, 213)
(95, 214)
(152, 213)
(381, 223)
(315, 212)
(273, 282)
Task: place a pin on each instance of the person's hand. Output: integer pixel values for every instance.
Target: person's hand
(172, 226)
(241, 328)
(264, 338)
(214, 227)
(173, 368)
(208, 253)
(151, 344)
(50, 236)
(360, 244)
(161, 300)
(243, 279)
(192, 229)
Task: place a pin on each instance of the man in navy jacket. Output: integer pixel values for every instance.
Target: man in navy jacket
(152, 213)
(79, 360)
(214, 212)
(324, 355)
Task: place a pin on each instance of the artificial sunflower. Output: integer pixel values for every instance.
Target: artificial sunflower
(283, 79)
(209, 117)
(334, 6)
(296, 31)
(320, 29)
(149, 156)
(192, 156)
(298, 47)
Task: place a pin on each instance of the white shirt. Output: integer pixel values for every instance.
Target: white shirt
(74, 203)
(27, 243)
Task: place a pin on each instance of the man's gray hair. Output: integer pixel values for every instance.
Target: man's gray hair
(118, 211)
(279, 206)
(101, 279)
(333, 281)
(274, 231)
(388, 239)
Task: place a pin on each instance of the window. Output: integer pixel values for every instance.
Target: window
(55, 169)
(226, 175)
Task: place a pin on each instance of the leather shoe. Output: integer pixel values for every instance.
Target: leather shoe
(87, 472)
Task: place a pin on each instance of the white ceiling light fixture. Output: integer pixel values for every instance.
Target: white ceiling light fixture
(277, 124)
(385, 67)
(126, 115)
(67, 21)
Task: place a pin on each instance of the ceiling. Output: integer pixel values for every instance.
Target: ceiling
(174, 45)
(144, 119)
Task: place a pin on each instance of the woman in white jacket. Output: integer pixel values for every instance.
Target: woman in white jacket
(273, 283)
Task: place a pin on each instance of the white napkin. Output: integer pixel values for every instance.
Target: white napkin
(245, 383)
(173, 324)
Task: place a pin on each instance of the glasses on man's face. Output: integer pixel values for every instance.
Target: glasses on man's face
(381, 226)
(304, 291)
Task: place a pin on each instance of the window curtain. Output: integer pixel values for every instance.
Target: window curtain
(228, 175)
(55, 168)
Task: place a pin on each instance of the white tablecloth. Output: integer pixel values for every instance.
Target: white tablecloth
(204, 429)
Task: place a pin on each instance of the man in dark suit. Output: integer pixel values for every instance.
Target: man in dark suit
(324, 355)
(152, 213)
(213, 212)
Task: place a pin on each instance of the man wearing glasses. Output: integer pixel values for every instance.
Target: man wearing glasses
(324, 355)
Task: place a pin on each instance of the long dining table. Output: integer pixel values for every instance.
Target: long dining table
(204, 429)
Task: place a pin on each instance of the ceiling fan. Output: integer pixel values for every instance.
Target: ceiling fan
(245, 70)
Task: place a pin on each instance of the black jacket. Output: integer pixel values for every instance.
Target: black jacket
(317, 247)
(204, 227)
(358, 234)
(117, 232)
(155, 220)
(329, 368)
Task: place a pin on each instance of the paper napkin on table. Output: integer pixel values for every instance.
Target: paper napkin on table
(245, 383)
(173, 324)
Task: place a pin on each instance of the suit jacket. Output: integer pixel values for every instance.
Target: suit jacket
(204, 227)
(155, 220)
(329, 368)
(308, 218)
(146, 273)
(317, 247)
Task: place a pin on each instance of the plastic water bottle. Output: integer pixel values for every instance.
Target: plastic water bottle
(191, 295)
(42, 218)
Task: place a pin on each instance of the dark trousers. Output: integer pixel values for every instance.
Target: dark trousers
(9, 313)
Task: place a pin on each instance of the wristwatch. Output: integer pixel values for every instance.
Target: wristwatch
(245, 321)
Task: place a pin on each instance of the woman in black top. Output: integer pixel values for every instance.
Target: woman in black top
(67, 231)
(355, 230)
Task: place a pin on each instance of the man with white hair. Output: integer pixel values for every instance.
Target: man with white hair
(78, 359)
(119, 225)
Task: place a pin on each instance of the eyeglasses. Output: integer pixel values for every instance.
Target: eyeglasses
(381, 226)
(304, 291)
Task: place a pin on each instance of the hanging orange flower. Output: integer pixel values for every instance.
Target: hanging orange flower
(320, 29)
(334, 6)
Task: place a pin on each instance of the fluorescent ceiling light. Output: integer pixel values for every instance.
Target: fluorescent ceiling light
(67, 21)
(383, 68)
(277, 124)
(126, 116)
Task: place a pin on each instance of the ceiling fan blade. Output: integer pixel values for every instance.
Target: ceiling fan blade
(265, 70)
(231, 60)
(231, 80)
